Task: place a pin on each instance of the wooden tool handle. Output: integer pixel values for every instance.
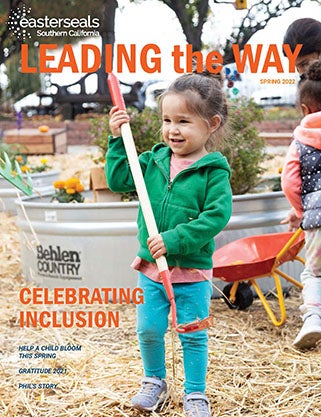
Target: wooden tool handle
(117, 98)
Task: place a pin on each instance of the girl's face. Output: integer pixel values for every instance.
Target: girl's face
(185, 132)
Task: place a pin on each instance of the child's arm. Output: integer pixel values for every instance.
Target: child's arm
(291, 180)
(292, 220)
(117, 170)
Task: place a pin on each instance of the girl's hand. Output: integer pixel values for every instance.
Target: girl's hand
(293, 220)
(156, 246)
(117, 118)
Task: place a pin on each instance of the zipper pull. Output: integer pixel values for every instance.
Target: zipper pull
(169, 185)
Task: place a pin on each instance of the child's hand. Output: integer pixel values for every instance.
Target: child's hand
(117, 118)
(156, 246)
(293, 220)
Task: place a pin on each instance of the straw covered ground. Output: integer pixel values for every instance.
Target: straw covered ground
(253, 368)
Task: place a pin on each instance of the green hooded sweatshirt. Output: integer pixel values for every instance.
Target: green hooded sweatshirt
(189, 210)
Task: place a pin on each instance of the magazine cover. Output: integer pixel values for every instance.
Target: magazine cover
(150, 260)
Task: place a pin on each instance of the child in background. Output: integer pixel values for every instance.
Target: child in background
(301, 182)
(190, 193)
(305, 31)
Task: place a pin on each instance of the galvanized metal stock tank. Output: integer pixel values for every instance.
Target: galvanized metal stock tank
(255, 214)
(93, 244)
(78, 245)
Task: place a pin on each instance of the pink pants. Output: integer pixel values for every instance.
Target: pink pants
(311, 275)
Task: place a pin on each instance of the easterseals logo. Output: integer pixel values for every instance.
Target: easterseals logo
(24, 26)
(14, 22)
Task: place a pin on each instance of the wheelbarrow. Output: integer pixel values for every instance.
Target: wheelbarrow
(242, 262)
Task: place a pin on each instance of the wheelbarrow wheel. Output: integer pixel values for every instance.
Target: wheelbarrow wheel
(243, 296)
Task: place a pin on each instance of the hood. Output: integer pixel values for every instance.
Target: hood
(309, 130)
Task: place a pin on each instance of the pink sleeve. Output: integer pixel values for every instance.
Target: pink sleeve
(291, 179)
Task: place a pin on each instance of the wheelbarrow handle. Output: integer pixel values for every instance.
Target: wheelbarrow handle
(290, 242)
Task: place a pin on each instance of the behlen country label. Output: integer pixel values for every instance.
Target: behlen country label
(56, 262)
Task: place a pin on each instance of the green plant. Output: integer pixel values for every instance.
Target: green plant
(11, 151)
(44, 166)
(145, 127)
(68, 191)
(243, 147)
(282, 113)
(16, 153)
(99, 131)
(277, 182)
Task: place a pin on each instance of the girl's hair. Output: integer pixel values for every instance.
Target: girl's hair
(204, 96)
(310, 89)
(306, 31)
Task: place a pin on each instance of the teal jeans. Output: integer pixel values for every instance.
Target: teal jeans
(192, 302)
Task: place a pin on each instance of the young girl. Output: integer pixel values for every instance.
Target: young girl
(191, 198)
(301, 182)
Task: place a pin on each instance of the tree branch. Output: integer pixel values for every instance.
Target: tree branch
(249, 25)
(192, 17)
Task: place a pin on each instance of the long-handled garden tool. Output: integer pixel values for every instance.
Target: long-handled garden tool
(118, 100)
(15, 177)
